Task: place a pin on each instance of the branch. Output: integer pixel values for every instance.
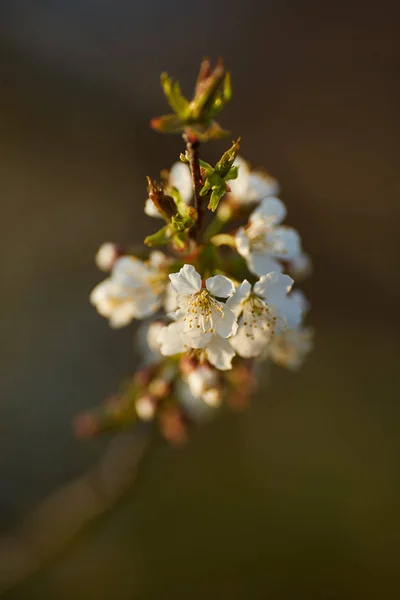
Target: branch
(192, 149)
(56, 523)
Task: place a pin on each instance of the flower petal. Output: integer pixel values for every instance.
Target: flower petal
(239, 186)
(242, 242)
(241, 294)
(196, 338)
(170, 339)
(225, 325)
(220, 353)
(246, 346)
(181, 179)
(150, 209)
(187, 281)
(122, 315)
(262, 185)
(285, 242)
(145, 305)
(261, 264)
(220, 286)
(271, 210)
(273, 287)
(130, 271)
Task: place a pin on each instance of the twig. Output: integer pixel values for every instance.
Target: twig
(57, 522)
(192, 148)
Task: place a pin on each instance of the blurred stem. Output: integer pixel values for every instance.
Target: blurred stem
(53, 526)
(224, 239)
(192, 150)
(214, 227)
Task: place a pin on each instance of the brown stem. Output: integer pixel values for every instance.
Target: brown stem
(192, 148)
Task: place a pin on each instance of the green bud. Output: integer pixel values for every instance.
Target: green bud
(213, 90)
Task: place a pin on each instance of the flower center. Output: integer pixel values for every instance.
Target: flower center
(202, 310)
(256, 232)
(257, 317)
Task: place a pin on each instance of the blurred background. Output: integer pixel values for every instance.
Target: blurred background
(299, 495)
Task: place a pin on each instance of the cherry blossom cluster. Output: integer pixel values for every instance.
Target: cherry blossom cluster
(218, 294)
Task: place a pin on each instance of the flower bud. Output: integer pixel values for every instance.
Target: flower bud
(201, 379)
(145, 407)
(106, 256)
(213, 397)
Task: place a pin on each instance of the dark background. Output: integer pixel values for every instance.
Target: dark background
(299, 496)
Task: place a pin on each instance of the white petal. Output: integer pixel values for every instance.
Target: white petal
(101, 292)
(200, 379)
(158, 259)
(300, 266)
(262, 185)
(213, 397)
(196, 338)
(181, 179)
(239, 186)
(242, 242)
(241, 294)
(227, 325)
(220, 286)
(152, 336)
(145, 304)
(290, 313)
(106, 256)
(301, 300)
(271, 210)
(187, 281)
(249, 347)
(150, 209)
(220, 353)
(170, 299)
(130, 271)
(273, 287)
(285, 242)
(260, 264)
(122, 315)
(170, 339)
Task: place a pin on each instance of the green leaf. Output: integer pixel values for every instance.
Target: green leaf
(226, 161)
(176, 100)
(167, 124)
(162, 237)
(232, 174)
(216, 195)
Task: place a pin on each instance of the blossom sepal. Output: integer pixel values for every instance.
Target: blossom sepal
(216, 178)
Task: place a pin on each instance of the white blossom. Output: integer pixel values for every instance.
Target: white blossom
(251, 186)
(201, 321)
(203, 315)
(264, 242)
(263, 311)
(134, 290)
(179, 178)
(290, 348)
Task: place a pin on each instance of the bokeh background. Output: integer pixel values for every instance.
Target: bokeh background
(298, 496)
